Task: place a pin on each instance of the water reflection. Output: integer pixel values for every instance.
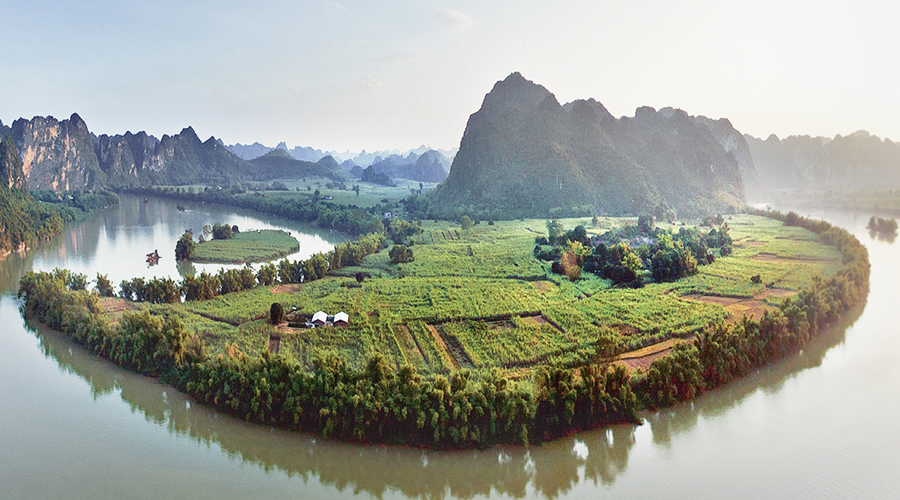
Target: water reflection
(888, 237)
(683, 418)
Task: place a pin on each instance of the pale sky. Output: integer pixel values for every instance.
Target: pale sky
(354, 75)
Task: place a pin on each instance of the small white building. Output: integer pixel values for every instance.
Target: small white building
(341, 319)
(319, 318)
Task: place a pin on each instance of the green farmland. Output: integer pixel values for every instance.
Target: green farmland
(249, 246)
(478, 298)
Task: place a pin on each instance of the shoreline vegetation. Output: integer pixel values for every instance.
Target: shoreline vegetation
(30, 218)
(380, 395)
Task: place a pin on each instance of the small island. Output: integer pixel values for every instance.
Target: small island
(239, 247)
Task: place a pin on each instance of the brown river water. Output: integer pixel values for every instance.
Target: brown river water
(821, 424)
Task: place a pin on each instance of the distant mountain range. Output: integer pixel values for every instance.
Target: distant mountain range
(856, 161)
(63, 155)
(524, 154)
(346, 158)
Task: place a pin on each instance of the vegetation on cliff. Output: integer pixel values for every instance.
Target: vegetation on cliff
(23, 221)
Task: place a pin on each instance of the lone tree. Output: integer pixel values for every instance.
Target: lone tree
(276, 313)
(400, 254)
(184, 248)
(465, 222)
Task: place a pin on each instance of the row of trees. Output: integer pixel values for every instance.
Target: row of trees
(206, 286)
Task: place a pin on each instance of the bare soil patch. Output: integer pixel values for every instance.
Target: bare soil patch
(115, 307)
(443, 346)
(738, 307)
(542, 286)
(643, 358)
(290, 288)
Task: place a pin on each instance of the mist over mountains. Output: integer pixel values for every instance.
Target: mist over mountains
(855, 161)
(362, 159)
(522, 154)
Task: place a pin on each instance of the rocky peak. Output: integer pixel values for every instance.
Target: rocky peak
(514, 92)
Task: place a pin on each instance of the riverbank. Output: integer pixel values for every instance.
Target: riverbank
(473, 407)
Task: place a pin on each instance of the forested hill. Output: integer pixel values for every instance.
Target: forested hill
(23, 221)
(523, 154)
(64, 155)
(859, 160)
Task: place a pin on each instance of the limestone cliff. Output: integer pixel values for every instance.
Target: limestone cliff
(11, 174)
(57, 155)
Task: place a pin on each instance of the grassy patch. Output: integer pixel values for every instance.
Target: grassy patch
(249, 246)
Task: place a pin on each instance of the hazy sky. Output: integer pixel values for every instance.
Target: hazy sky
(397, 74)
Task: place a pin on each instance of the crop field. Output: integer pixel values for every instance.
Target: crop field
(249, 246)
(477, 298)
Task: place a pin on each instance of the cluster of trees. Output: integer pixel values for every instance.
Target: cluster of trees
(185, 246)
(883, 226)
(665, 255)
(402, 231)
(223, 231)
(724, 352)
(401, 254)
(206, 286)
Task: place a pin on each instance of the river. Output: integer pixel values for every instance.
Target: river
(818, 425)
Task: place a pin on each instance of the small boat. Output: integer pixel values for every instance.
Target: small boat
(180, 208)
(153, 258)
(146, 200)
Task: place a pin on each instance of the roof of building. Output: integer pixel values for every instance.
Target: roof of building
(320, 316)
(342, 316)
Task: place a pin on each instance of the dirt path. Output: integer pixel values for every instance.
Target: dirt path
(643, 358)
(443, 346)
